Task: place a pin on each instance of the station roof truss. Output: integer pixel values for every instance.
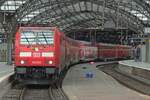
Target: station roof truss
(77, 14)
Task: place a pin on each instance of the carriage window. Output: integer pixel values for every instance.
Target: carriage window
(30, 38)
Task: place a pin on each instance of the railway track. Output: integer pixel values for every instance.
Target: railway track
(57, 93)
(125, 79)
(14, 93)
(53, 92)
(35, 94)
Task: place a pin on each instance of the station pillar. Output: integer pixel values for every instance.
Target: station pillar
(9, 49)
(147, 53)
(10, 27)
(147, 45)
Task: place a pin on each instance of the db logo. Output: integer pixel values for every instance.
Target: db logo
(36, 54)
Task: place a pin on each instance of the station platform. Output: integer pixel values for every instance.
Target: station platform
(5, 70)
(132, 63)
(138, 69)
(100, 87)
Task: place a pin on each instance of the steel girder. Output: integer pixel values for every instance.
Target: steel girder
(7, 21)
(1, 2)
(33, 5)
(110, 6)
(48, 14)
(75, 14)
(64, 21)
(27, 8)
(143, 4)
(135, 7)
(63, 16)
(9, 25)
(57, 4)
(121, 23)
(122, 13)
(81, 21)
(68, 27)
(128, 23)
(1, 18)
(75, 24)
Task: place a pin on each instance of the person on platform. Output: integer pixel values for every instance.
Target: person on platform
(138, 53)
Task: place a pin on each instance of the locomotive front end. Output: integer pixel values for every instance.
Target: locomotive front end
(35, 53)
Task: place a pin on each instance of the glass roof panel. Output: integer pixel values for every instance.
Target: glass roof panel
(12, 5)
(139, 15)
(30, 16)
(145, 19)
(147, 1)
(25, 19)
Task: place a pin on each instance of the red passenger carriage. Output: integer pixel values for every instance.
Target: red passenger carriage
(110, 51)
(87, 51)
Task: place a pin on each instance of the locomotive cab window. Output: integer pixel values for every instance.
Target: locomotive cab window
(35, 37)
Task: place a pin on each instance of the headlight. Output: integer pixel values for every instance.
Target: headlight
(50, 62)
(48, 54)
(22, 62)
(36, 49)
(25, 54)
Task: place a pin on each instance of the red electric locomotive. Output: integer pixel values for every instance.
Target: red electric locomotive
(41, 53)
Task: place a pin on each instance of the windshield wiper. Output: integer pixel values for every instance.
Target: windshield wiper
(38, 41)
(27, 39)
(45, 38)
